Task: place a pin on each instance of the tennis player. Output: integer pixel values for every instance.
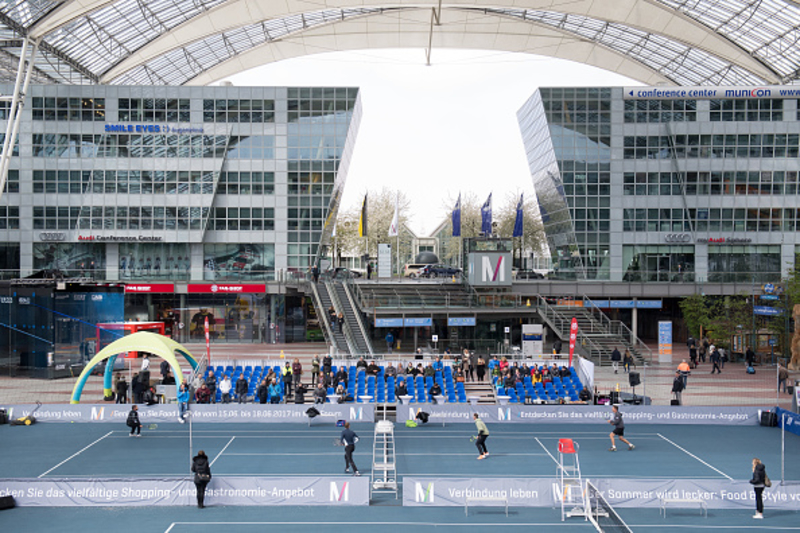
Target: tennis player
(619, 430)
(483, 434)
(349, 439)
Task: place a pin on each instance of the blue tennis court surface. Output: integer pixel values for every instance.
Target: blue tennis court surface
(662, 452)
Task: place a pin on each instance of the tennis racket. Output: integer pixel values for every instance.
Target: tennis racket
(338, 442)
(473, 438)
(152, 426)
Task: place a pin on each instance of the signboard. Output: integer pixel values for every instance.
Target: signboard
(461, 321)
(150, 287)
(532, 339)
(706, 93)
(573, 337)
(769, 296)
(489, 269)
(388, 322)
(665, 342)
(225, 288)
(418, 322)
(765, 310)
(626, 304)
(435, 338)
(384, 261)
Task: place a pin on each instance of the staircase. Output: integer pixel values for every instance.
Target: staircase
(597, 334)
(323, 302)
(483, 390)
(343, 301)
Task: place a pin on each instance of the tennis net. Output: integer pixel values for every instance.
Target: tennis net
(601, 514)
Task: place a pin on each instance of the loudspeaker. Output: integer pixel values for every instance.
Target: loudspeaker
(769, 419)
(634, 379)
(7, 502)
(3, 417)
(674, 402)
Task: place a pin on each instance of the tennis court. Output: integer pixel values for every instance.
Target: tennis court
(662, 452)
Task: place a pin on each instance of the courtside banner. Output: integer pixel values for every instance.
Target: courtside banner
(161, 413)
(221, 491)
(581, 414)
(623, 493)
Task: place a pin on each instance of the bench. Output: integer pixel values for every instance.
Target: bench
(479, 499)
(683, 502)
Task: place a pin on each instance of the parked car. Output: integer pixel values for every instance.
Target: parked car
(529, 274)
(438, 270)
(411, 270)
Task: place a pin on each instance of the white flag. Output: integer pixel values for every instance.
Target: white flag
(393, 229)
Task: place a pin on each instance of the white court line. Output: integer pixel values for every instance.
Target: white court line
(548, 452)
(695, 457)
(409, 523)
(221, 452)
(76, 454)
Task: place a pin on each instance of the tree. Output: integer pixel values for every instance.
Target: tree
(532, 229)
(731, 315)
(696, 314)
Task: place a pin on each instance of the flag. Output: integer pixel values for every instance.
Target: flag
(486, 216)
(362, 220)
(393, 228)
(518, 221)
(457, 218)
(573, 337)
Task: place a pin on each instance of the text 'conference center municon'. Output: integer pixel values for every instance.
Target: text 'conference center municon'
(670, 184)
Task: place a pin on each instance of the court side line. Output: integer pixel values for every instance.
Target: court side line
(76, 454)
(690, 454)
(222, 451)
(170, 527)
(548, 452)
(395, 523)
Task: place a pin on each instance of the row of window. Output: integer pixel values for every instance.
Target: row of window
(69, 109)
(144, 146)
(246, 183)
(243, 218)
(711, 146)
(119, 218)
(660, 111)
(705, 219)
(738, 183)
(243, 111)
(154, 109)
(124, 181)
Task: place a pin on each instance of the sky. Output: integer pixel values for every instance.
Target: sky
(434, 131)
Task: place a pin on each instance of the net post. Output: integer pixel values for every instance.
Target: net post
(191, 449)
(783, 447)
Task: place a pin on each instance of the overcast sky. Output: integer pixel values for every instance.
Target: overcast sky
(433, 131)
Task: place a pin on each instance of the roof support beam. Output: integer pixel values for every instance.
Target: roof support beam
(436, 19)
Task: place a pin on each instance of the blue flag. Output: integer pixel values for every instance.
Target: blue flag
(518, 220)
(457, 218)
(486, 216)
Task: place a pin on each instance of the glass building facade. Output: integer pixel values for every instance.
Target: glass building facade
(665, 189)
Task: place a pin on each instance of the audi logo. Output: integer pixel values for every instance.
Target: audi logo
(53, 236)
(677, 237)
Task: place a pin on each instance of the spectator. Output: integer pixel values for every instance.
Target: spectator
(299, 393)
(203, 394)
(557, 347)
(183, 402)
(429, 371)
(400, 390)
(211, 383)
(329, 380)
(410, 370)
(585, 394)
(122, 389)
(341, 377)
(287, 379)
(225, 388)
(783, 376)
(438, 366)
(401, 371)
(480, 368)
(332, 318)
(684, 371)
(320, 394)
(340, 322)
(274, 392)
(242, 389)
(315, 370)
(342, 394)
(627, 361)
(202, 475)
(678, 386)
(145, 364)
(373, 369)
(361, 364)
(327, 363)
(390, 372)
(297, 371)
(434, 391)
(164, 367)
(503, 364)
(759, 482)
(616, 357)
(262, 393)
(168, 379)
(389, 342)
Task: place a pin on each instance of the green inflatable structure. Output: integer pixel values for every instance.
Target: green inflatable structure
(142, 341)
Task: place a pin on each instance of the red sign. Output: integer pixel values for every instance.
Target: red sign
(573, 336)
(226, 288)
(150, 287)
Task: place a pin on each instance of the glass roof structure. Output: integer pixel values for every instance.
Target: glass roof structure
(175, 42)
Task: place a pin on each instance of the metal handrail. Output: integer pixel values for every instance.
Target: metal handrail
(357, 313)
(616, 327)
(337, 305)
(562, 324)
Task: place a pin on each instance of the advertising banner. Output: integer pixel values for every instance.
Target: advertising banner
(706, 92)
(181, 491)
(532, 339)
(489, 269)
(665, 342)
(573, 337)
(150, 287)
(581, 414)
(384, 261)
(619, 492)
(225, 288)
(266, 413)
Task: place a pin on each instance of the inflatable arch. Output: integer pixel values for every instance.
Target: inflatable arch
(142, 341)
